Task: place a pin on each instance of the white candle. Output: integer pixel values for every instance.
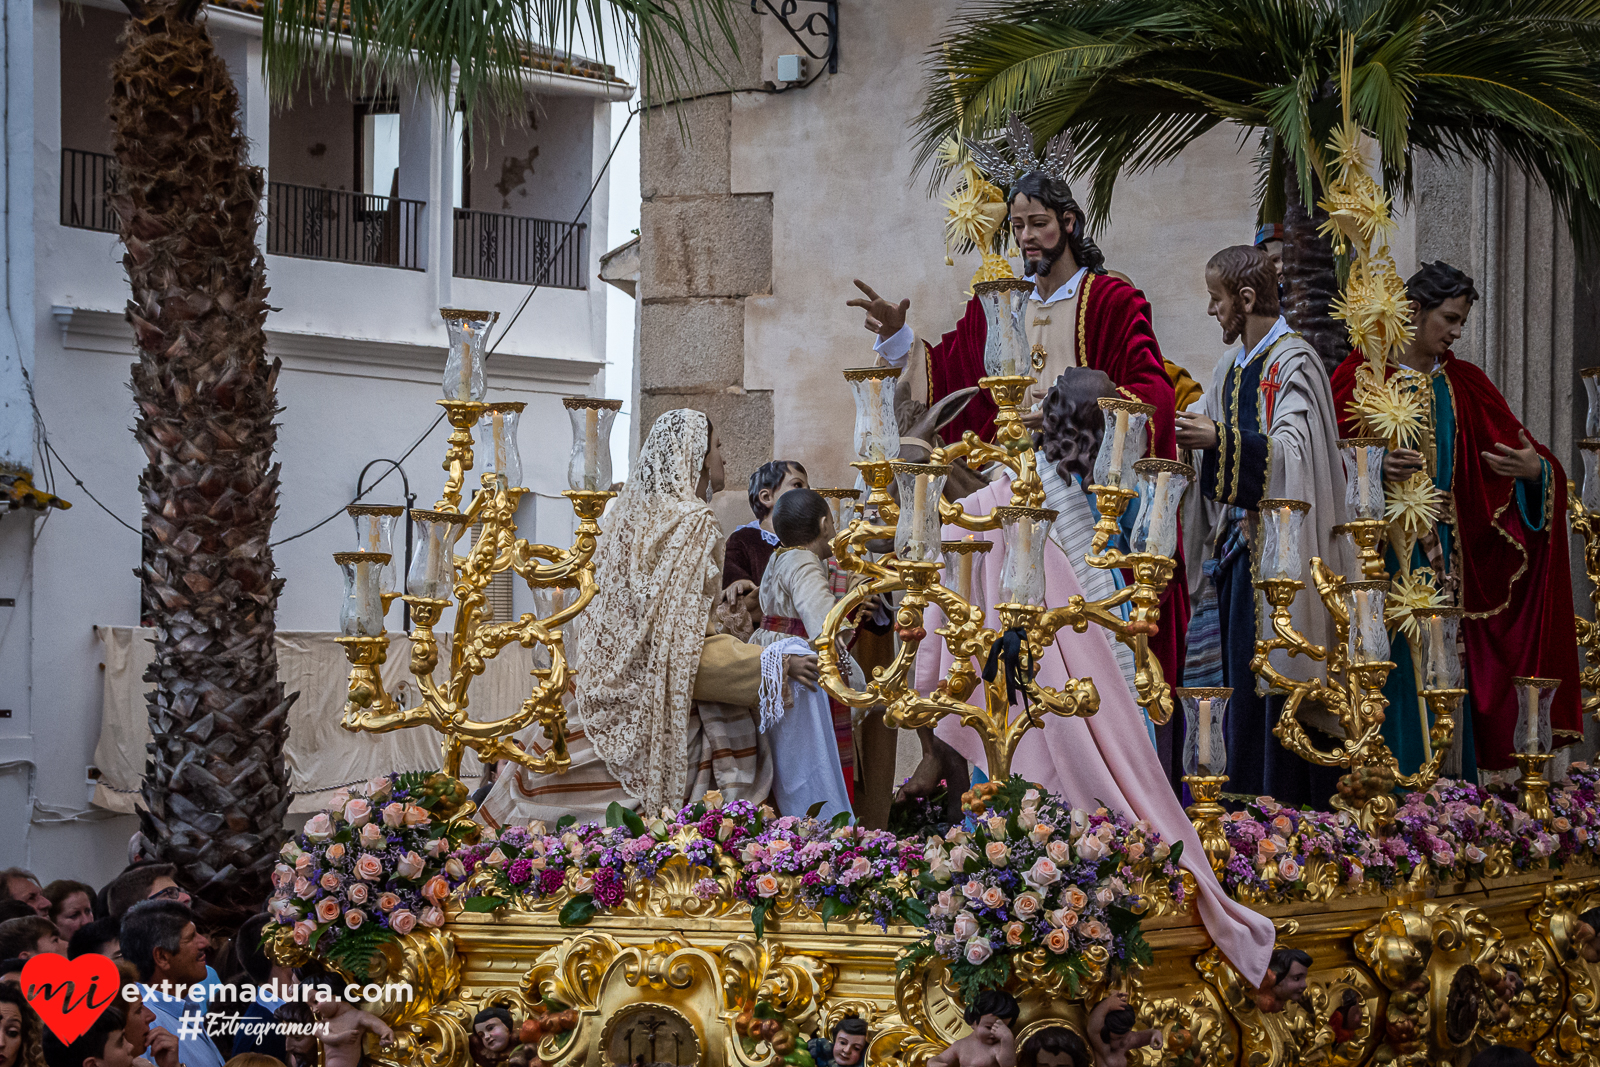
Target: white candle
(1360, 625)
(372, 532)
(1024, 545)
(964, 583)
(1530, 700)
(1119, 437)
(919, 509)
(591, 448)
(1155, 538)
(499, 426)
(1203, 743)
(874, 441)
(1284, 518)
(364, 609)
(1436, 655)
(466, 363)
(1362, 488)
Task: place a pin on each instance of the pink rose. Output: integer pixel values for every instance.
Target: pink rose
(388, 901)
(979, 950)
(416, 816)
(454, 869)
(336, 851)
(1043, 873)
(583, 882)
(767, 885)
(303, 931)
(996, 825)
(377, 788)
(1091, 848)
(357, 812)
(438, 847)
(1133, 850)
(319, 828)
(1027, 905)
(1096, 930)
(996, 853)
(825, 870)
(327, 909)
(1065, 918)
(959, 857)
(1014, 933)
(402, 922)
(354, 918)
(283, 876)
(1075, 898)
(433, 917)
(410, 866)
(994, 897)
(861, 868)
(1289, 869)
(304, 888)
(1105, 895)
(372, 836)
(965, 927)
(394, 815)
(1357, 874)
(303, 863)
(972, 889)
(436, 889)
(329, 881)
(357, 892)
(369, 868)
(1042, 831)
(1059, 852)
(1057, 941)
(1473, 853)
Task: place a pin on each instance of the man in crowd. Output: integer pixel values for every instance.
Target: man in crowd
(23, 886)
(22, 938)
(159, 937)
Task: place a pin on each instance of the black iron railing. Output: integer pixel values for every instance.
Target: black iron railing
(344, 226)
(88, 182)
(510, 248)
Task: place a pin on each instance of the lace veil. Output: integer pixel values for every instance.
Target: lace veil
(639, 641)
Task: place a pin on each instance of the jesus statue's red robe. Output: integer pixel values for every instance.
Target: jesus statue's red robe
(1516, 576)
(1112, 333)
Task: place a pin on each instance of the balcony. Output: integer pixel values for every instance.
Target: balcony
(345, 227)
(88, 182)
(511, 248)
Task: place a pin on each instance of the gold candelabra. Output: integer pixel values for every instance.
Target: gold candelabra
(1584, 511)
(915, 515)
(562, 579)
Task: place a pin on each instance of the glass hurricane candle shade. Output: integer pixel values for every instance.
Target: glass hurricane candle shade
(961, 559)
(1591, 388)
(877, 432)
(1161, 486)
(1006, 352)
(1363, 474)
(1025, 531)
(841, 505)
(547, 600)
(464, 377)
(1282, 522)
(1205, 746)
(361, 613)
(1534, 696)
(1441, 659)
(1369, 638)
(433, 566)
(1590, 491)
(1124, 442)
(589, 466)
(495, 442)
(916, 535)
(375, 533)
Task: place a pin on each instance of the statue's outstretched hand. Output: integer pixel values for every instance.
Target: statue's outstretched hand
(1511, 462)
(883, 318)
(802, 669)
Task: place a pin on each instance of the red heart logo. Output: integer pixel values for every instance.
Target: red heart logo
(70, 995)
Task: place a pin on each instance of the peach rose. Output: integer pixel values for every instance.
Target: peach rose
(996, 853)
(402, 922)
(369, 868)
(354, 918)
(357, 812)
(1266, 848)
(1060, 852)
(1096, 930)
(358, 893)
(972, 889)
(1065, 918)
(416, 816)
(495, 859)
(861, 867)
(583, 882)
(1027, 905)
(394, 815)
(455, 869)
(436, 889)
(1057, 941)
(336, 851)
(1075, 898)
(388, 901)
(1042, 831)
(371, 836)
(1044, 872)
(1133, 849)
(778, 847)
(713, 800)
(959, 857)
(327, 909)
(994, 897)
(303, 931)
(767, 885)
(303, 863)
(304, 888)
(319, 828)
(437, 847)
(1561, 824)
(410, 866)
(377, 788)
(1105, 895)
(1014, 933)
(979, 950)
(996, 825)
(965, 927)
(433, 917)
(329, 881)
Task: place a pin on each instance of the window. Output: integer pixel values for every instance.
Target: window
(377, 146)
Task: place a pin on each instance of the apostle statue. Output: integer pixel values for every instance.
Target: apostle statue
(1502, 545)
(1266, 429)
(1080, 316)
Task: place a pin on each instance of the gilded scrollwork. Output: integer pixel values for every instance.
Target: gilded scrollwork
(1574, 1035)
(1397, 949)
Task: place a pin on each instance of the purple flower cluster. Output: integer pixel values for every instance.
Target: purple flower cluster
(1275, 848)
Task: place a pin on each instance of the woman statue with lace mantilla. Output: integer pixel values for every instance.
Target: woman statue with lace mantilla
(662, 711)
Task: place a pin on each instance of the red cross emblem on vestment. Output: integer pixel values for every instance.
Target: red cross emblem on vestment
(1270, 387)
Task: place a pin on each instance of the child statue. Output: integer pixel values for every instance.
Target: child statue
(491, 1039)
(347, 1025)
(991, 1043)
(1054, 1046)
(848, 1047)
(1111, 1032)
(1286, 980)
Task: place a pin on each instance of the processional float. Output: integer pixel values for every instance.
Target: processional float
(1445, 953)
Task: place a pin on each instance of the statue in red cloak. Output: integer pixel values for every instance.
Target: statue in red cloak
(1510, 560)
(1079, 316)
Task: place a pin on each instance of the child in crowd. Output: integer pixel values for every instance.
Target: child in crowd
(815, 736)
(103, 1045)
(21, 938)
(991, 1015)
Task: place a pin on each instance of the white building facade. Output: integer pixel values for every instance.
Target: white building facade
(377, 215)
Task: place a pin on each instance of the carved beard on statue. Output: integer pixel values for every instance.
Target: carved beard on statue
(1040, 268)
(1233, 325)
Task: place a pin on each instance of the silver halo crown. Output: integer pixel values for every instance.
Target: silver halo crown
(991, 157)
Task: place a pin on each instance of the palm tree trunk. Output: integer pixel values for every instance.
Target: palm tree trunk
(1310, 277)
(215, 787)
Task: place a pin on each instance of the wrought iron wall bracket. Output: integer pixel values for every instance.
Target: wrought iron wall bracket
(818, 24)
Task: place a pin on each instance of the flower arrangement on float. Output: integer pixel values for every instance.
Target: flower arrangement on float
(1028, 879)
(370, 868)
(1282, 853)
